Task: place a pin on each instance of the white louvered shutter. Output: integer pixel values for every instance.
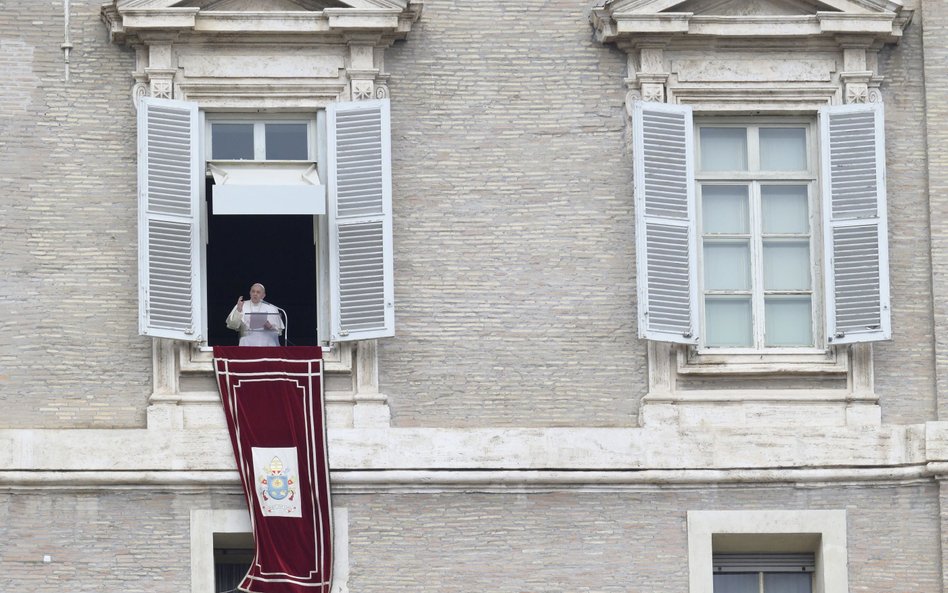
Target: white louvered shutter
(169, 242)
(665, 222)
(360, 220)
(852, 146)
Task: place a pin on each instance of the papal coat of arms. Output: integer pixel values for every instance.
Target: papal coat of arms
(277, 482)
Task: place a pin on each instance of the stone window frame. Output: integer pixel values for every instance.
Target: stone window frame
(780, 528)
(694, 361)
(177, 57)
(205, 523)
(835, 61)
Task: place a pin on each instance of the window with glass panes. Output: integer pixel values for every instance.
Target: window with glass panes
(763, 573)
(756, 188)
(261, 140)
(763, 582)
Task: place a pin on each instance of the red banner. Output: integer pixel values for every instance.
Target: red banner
(273, 400)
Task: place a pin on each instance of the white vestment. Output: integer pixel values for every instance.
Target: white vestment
(247, 323)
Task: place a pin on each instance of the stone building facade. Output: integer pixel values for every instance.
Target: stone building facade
(520, 431)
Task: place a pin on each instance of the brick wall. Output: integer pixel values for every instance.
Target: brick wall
(904, 367)
(514, 250)
(70, 353)
(935, 41)
(138, 541)
(622, 542)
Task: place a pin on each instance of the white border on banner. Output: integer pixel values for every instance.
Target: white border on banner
(311, 451)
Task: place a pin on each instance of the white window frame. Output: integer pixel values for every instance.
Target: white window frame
(259, 121)
(753, 178)
(315, 141)
(826, 527)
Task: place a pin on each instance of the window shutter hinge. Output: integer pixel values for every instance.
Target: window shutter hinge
(686, 334)
(189, 331)
(343, 332)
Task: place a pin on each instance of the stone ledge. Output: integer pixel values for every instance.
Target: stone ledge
(423, 481)
(515, 449)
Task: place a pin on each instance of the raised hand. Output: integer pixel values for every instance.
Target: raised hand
(240, 304)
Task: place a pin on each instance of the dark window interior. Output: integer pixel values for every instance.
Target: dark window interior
(275, 250)
(233, 554)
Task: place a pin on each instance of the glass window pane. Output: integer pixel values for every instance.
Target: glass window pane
(728, 322)
(726, 582)
(783, 149)
(788, 321)
(787, 582)
(784, 209)
(723, 149)
(726, 265)
(787, 265)
(232, 141)
(724, 209)
(286, 142)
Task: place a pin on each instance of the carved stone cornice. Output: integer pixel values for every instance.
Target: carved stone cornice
(127, 20)
(835, 44)
(207, 51)
(619, 20)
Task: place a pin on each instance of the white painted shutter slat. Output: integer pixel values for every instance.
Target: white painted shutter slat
(169, 242)
(360, 220)
(852, 143)
(665, 223)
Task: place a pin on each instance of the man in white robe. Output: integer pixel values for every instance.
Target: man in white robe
(258, 322)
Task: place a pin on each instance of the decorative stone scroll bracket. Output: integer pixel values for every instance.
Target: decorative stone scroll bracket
(365, 68)
(648, 75)
(859, 81)
(154, 72)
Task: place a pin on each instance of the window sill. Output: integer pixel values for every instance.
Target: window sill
(691, 361)
(198, 358)
(688, 387)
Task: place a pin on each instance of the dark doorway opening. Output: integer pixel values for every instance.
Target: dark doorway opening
(275, 250)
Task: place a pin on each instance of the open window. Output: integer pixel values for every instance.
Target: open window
(233, 554)
(729, 241)
(262, 192)
(264, 214)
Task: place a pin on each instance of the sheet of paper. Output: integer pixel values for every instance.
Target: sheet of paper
(257, 320)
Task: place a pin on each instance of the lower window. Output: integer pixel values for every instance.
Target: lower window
(763, 573)
(233, 553)
(767, 551)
